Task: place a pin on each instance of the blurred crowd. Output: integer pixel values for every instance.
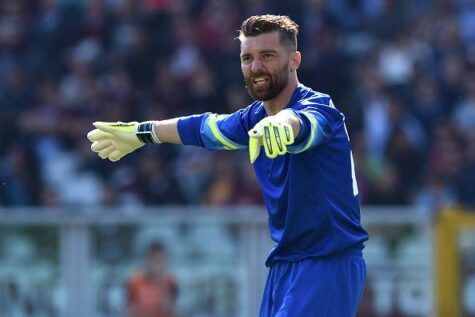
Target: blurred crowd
(402, 72)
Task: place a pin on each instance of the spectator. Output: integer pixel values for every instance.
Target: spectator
(156, 185)
(375, 112)
(428, 104)
(465, 179)
(19, 177)
(464, 113)
(435, 194)
(153, 291)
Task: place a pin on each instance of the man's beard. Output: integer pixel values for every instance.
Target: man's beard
(277, 83)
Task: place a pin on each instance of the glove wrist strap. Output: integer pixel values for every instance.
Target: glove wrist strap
(146, 133)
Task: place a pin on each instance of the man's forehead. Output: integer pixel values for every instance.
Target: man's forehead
(261, 42)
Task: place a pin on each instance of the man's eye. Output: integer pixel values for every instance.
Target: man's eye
(245, 59)
(266, 56)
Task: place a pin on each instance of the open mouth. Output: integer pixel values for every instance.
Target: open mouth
(260, 80)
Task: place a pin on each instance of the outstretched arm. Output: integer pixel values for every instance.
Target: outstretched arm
(114, 140)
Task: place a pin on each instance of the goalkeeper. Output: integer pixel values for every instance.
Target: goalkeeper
(305, 169)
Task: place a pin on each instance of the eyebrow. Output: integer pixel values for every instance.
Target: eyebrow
(267, 51)
(260, 52)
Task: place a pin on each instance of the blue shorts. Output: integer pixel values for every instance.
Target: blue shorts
(323, 287)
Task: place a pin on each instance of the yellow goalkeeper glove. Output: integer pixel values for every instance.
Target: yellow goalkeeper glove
(274, 134)
(114, 140)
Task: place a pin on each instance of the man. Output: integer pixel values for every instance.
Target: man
(152, 292)
(306, 172)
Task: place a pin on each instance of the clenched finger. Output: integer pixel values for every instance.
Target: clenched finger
(100, 145)
(105, 153)
(270, 143)
(96, 135)
(288, 134)
(115, 156)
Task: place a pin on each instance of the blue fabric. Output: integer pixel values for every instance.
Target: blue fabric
(323, 287)
(194, 130)
(311, 196)
(187, 128)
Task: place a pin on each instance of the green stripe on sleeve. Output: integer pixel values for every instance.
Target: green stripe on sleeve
(228, 145)
(313, 131)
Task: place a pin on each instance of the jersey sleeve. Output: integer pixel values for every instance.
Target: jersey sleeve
(318, 122)
(216, 132)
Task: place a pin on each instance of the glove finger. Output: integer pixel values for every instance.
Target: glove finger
(254, 148)
(106, 152)
(270, 143)
(115, 156)
(279, 135)
(100, 145)
(256, 132)
(288, 134)
(96, 135)
(112, 127)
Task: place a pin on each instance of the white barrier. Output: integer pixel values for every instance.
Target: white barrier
(217, 255)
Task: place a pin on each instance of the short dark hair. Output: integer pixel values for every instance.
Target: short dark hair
(156, 247)
(260, 24)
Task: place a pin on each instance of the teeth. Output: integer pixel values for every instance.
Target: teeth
(260, 79)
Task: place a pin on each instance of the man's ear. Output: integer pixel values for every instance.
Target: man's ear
(296, 59)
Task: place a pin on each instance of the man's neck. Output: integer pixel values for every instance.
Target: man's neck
(278, 103)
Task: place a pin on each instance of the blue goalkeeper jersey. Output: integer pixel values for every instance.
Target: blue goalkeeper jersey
(310, 193)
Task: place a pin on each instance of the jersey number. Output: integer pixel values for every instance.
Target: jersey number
(353, 174)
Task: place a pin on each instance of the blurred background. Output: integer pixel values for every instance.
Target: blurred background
(76, 231)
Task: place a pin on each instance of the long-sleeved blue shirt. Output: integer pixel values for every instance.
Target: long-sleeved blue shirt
(311, 192)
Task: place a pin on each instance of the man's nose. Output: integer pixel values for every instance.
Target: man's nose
(256, 66)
